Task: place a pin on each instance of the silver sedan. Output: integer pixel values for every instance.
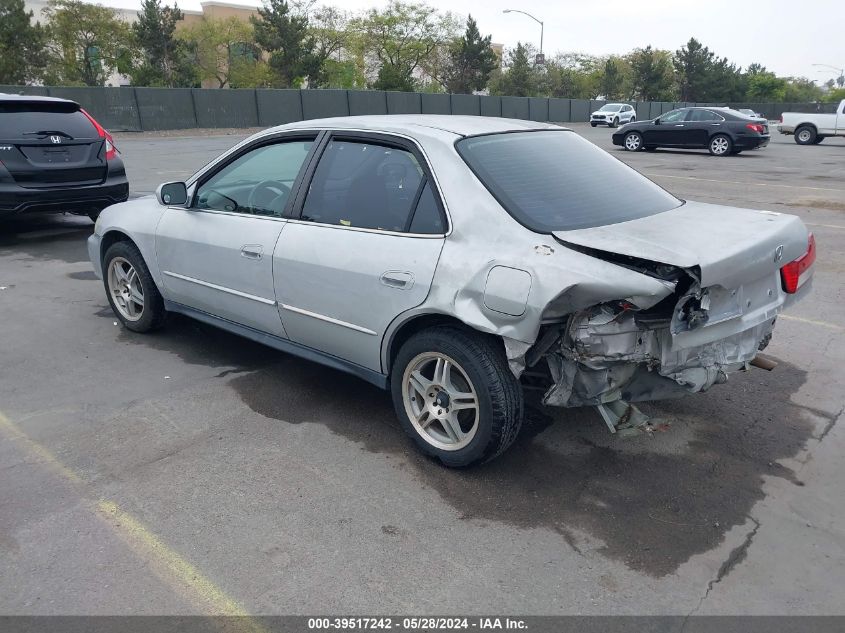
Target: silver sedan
(469, 265)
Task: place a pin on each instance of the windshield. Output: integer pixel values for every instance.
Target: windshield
(610, 108)
(558, 181)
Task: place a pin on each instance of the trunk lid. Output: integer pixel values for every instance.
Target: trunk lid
(47, 144)
(724, 246)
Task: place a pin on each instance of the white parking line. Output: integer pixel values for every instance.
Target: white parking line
(828, 226)
(739, 182)
(831, 326)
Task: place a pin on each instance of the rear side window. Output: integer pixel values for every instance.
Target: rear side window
(21, 121)
(557, 181)
(364, 185)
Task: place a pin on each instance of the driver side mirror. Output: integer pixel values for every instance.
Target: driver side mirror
(657, 121)
(172, 194)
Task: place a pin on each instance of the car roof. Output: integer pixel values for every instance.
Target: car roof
(32, 99)
(458, 125)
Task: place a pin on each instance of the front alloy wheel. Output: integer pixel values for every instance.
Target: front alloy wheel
(125, 289)
(633, 142)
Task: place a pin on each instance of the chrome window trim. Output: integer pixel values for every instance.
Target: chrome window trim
(361, 229)
(231, 291)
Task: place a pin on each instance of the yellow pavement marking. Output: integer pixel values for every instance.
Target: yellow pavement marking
(748, 184)
(168, 564)
(832, 326)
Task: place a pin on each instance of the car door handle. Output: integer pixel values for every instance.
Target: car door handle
(252, 251)
(397, 279)
(679, 125)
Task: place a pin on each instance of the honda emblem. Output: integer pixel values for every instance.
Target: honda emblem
(56, 139)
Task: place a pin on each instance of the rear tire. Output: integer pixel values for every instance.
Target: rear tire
(455, 395)
(132, 293)
(720, 145)
(806, 135)
(633, 141)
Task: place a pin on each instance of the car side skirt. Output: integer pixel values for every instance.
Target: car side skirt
(283, 345)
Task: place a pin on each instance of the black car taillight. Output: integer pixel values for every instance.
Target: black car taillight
(111, 150)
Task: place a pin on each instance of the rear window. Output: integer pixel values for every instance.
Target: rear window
(22, 120)
(557, 181)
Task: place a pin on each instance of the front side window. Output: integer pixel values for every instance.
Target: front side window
(256, 183)
(364, 185)
(558, 181)
(674, 116)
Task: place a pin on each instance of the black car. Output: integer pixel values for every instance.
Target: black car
(721, 130)
(54, 157)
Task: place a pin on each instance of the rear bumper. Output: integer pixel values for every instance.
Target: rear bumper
(15, 199)
(752, 142)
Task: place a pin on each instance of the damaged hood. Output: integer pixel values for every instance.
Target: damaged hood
(721, 245)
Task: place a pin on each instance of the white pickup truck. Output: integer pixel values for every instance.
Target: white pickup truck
(812, 129)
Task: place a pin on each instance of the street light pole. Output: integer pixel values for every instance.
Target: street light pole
(841, 71)
(540, 22)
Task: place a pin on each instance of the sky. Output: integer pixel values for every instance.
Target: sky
(769, 32)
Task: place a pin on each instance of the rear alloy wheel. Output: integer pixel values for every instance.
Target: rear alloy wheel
(455, 395)
(805, 135)
(720, 145)
(130, 288)
(633, 141)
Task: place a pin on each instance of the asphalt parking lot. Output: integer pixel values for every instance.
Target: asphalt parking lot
(190, 471)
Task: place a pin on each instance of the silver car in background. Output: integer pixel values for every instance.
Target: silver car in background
(463, 263)
(613, 115)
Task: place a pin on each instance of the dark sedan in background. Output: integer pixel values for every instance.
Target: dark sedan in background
(55, 157)
(721, 130)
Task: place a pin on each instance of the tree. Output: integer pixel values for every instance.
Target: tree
(471, 60)
(693, 66)
(651, 74)
(223, 52)
(162, 58)
(612, 79)
(86, 43)
(405, 38)
(801, 89)
(765, 86)
(338, 56)
(22, 43)
(284, 34)
(519, 78)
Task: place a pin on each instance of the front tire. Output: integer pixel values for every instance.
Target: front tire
(455, 395)
(805, 135)
(593, 124)
(130, 288)
(633, 141)
(720, 145)
(615, 122)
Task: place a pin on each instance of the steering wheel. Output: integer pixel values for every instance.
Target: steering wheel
(266, 194)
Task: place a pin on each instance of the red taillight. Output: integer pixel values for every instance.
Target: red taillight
(755, 127)
(796, 272)
(111, 150)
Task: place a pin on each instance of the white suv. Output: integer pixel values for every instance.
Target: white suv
(613, 115)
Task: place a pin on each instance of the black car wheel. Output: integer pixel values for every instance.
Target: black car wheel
(805, 135)
(633, 141)
(720, 145)
(455, 395)
(593, 124)
(615, 122)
